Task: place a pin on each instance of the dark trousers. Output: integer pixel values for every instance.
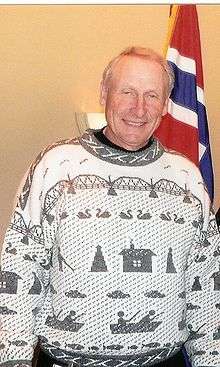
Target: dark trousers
(176, 361)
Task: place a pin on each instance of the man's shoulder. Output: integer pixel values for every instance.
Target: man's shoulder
(58, 148)
(56, 153)
(178, 158)
(61, 144)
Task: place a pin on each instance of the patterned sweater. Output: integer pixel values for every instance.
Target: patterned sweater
(111, 254)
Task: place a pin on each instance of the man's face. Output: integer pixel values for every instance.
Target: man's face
(135, 100)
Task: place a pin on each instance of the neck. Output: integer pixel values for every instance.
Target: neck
(104, 139)
(112, 137)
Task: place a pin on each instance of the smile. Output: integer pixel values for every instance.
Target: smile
(134, 123)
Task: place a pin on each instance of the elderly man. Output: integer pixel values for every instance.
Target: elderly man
(113, 224)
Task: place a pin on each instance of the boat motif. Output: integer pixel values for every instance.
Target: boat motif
(145, 324)
(134, 327)
(67, 324)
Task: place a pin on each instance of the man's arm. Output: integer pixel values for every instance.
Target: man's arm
(24, 273)
(203, 292)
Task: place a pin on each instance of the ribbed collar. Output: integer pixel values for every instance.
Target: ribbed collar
(99, 134)
(121, 157)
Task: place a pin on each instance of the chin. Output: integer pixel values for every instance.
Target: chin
(136, 140)
(133, 145)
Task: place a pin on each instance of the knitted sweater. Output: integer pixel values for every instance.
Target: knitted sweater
(111, 254)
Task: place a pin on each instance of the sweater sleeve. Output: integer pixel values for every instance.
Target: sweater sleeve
(203, 292)
(24, 272)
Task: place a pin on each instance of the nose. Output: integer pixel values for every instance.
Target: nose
(139, 108)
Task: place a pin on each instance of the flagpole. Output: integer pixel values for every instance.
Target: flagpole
(171, 25)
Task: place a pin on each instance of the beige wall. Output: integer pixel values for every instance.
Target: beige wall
(52, 57)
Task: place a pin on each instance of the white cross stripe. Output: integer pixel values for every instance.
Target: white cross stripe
(202, 149)
(183, 63)
(183, 114)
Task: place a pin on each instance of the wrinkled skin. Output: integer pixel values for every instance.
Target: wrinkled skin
(135, 99)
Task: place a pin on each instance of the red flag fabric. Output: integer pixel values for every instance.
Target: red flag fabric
(185, 127)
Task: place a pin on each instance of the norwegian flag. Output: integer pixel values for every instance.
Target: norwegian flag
(185, 127)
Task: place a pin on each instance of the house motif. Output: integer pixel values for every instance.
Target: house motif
(216, 277)
(8, 282)
(137, 260)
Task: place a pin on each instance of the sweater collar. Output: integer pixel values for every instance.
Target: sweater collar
(121, 157)
(102, 138)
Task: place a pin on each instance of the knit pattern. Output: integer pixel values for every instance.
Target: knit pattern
(106, 258)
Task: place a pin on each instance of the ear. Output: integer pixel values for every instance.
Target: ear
(165, 107)
(103, 93)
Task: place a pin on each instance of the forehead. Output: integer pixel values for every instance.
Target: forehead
(138, 70)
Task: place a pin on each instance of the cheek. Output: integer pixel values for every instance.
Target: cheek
(156, 109)
(120, 105)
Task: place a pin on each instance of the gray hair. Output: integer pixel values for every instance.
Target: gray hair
(146, 53)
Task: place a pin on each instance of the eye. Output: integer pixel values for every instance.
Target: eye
(127, 92)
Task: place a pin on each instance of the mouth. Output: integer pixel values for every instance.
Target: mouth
(134, 123)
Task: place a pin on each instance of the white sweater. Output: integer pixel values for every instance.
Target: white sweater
(110, 253)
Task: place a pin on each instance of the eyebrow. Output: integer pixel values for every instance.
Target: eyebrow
(134, 89)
